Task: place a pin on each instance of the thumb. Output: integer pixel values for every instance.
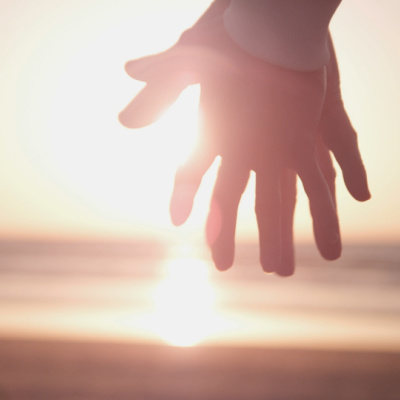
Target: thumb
(166, 76)
(150, 103)
(175, 63)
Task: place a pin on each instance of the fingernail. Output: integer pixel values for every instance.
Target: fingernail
(333, 237)
(268, 268)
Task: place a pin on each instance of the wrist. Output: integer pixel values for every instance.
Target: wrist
(288, 33)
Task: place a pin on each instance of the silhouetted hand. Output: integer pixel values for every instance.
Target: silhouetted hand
(257, 117)
(339, 135)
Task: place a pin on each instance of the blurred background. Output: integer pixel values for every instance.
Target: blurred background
(87, 250)
(70, 170)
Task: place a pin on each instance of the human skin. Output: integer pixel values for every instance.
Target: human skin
(259, 117)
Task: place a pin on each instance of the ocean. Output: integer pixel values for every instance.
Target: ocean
(162, 293)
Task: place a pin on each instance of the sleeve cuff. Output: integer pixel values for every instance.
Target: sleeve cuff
(289, 33)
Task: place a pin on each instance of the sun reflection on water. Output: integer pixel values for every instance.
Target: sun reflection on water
(184, 303)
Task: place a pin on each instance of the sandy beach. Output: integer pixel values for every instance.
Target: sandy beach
(73, 370)
(83, 322)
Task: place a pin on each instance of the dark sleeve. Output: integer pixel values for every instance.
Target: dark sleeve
(215, 10)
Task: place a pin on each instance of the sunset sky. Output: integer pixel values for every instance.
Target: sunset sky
(70, 170)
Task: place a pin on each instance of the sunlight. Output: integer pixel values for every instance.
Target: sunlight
(177, 128)
(184, 303)
(122, 161)
(110, 180)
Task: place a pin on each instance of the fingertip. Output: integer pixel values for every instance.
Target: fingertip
(285, 273)
(122, 119)
(269, 259)
(222, 246)
(357, 184)
(282, 270)
(222, 256)
(129, 66)
(287, 258)
(268, 268)
(327, 231)
(177, 220)
(128, 119)
(332, 255)
(181, 204)
(221, 265)
(286, 268)
(367, 197)
(141, 69)
(223, 253)
(144, 109)
(361, 195)
(270, 255)
(330, 250)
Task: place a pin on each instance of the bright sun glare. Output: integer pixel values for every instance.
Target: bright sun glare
(183, 303)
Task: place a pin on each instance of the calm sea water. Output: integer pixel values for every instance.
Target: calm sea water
(169, 293)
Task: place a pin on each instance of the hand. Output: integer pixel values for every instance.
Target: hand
(223, 246)
(263, 118)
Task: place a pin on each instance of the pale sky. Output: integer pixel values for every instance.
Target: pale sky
(70, 170)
